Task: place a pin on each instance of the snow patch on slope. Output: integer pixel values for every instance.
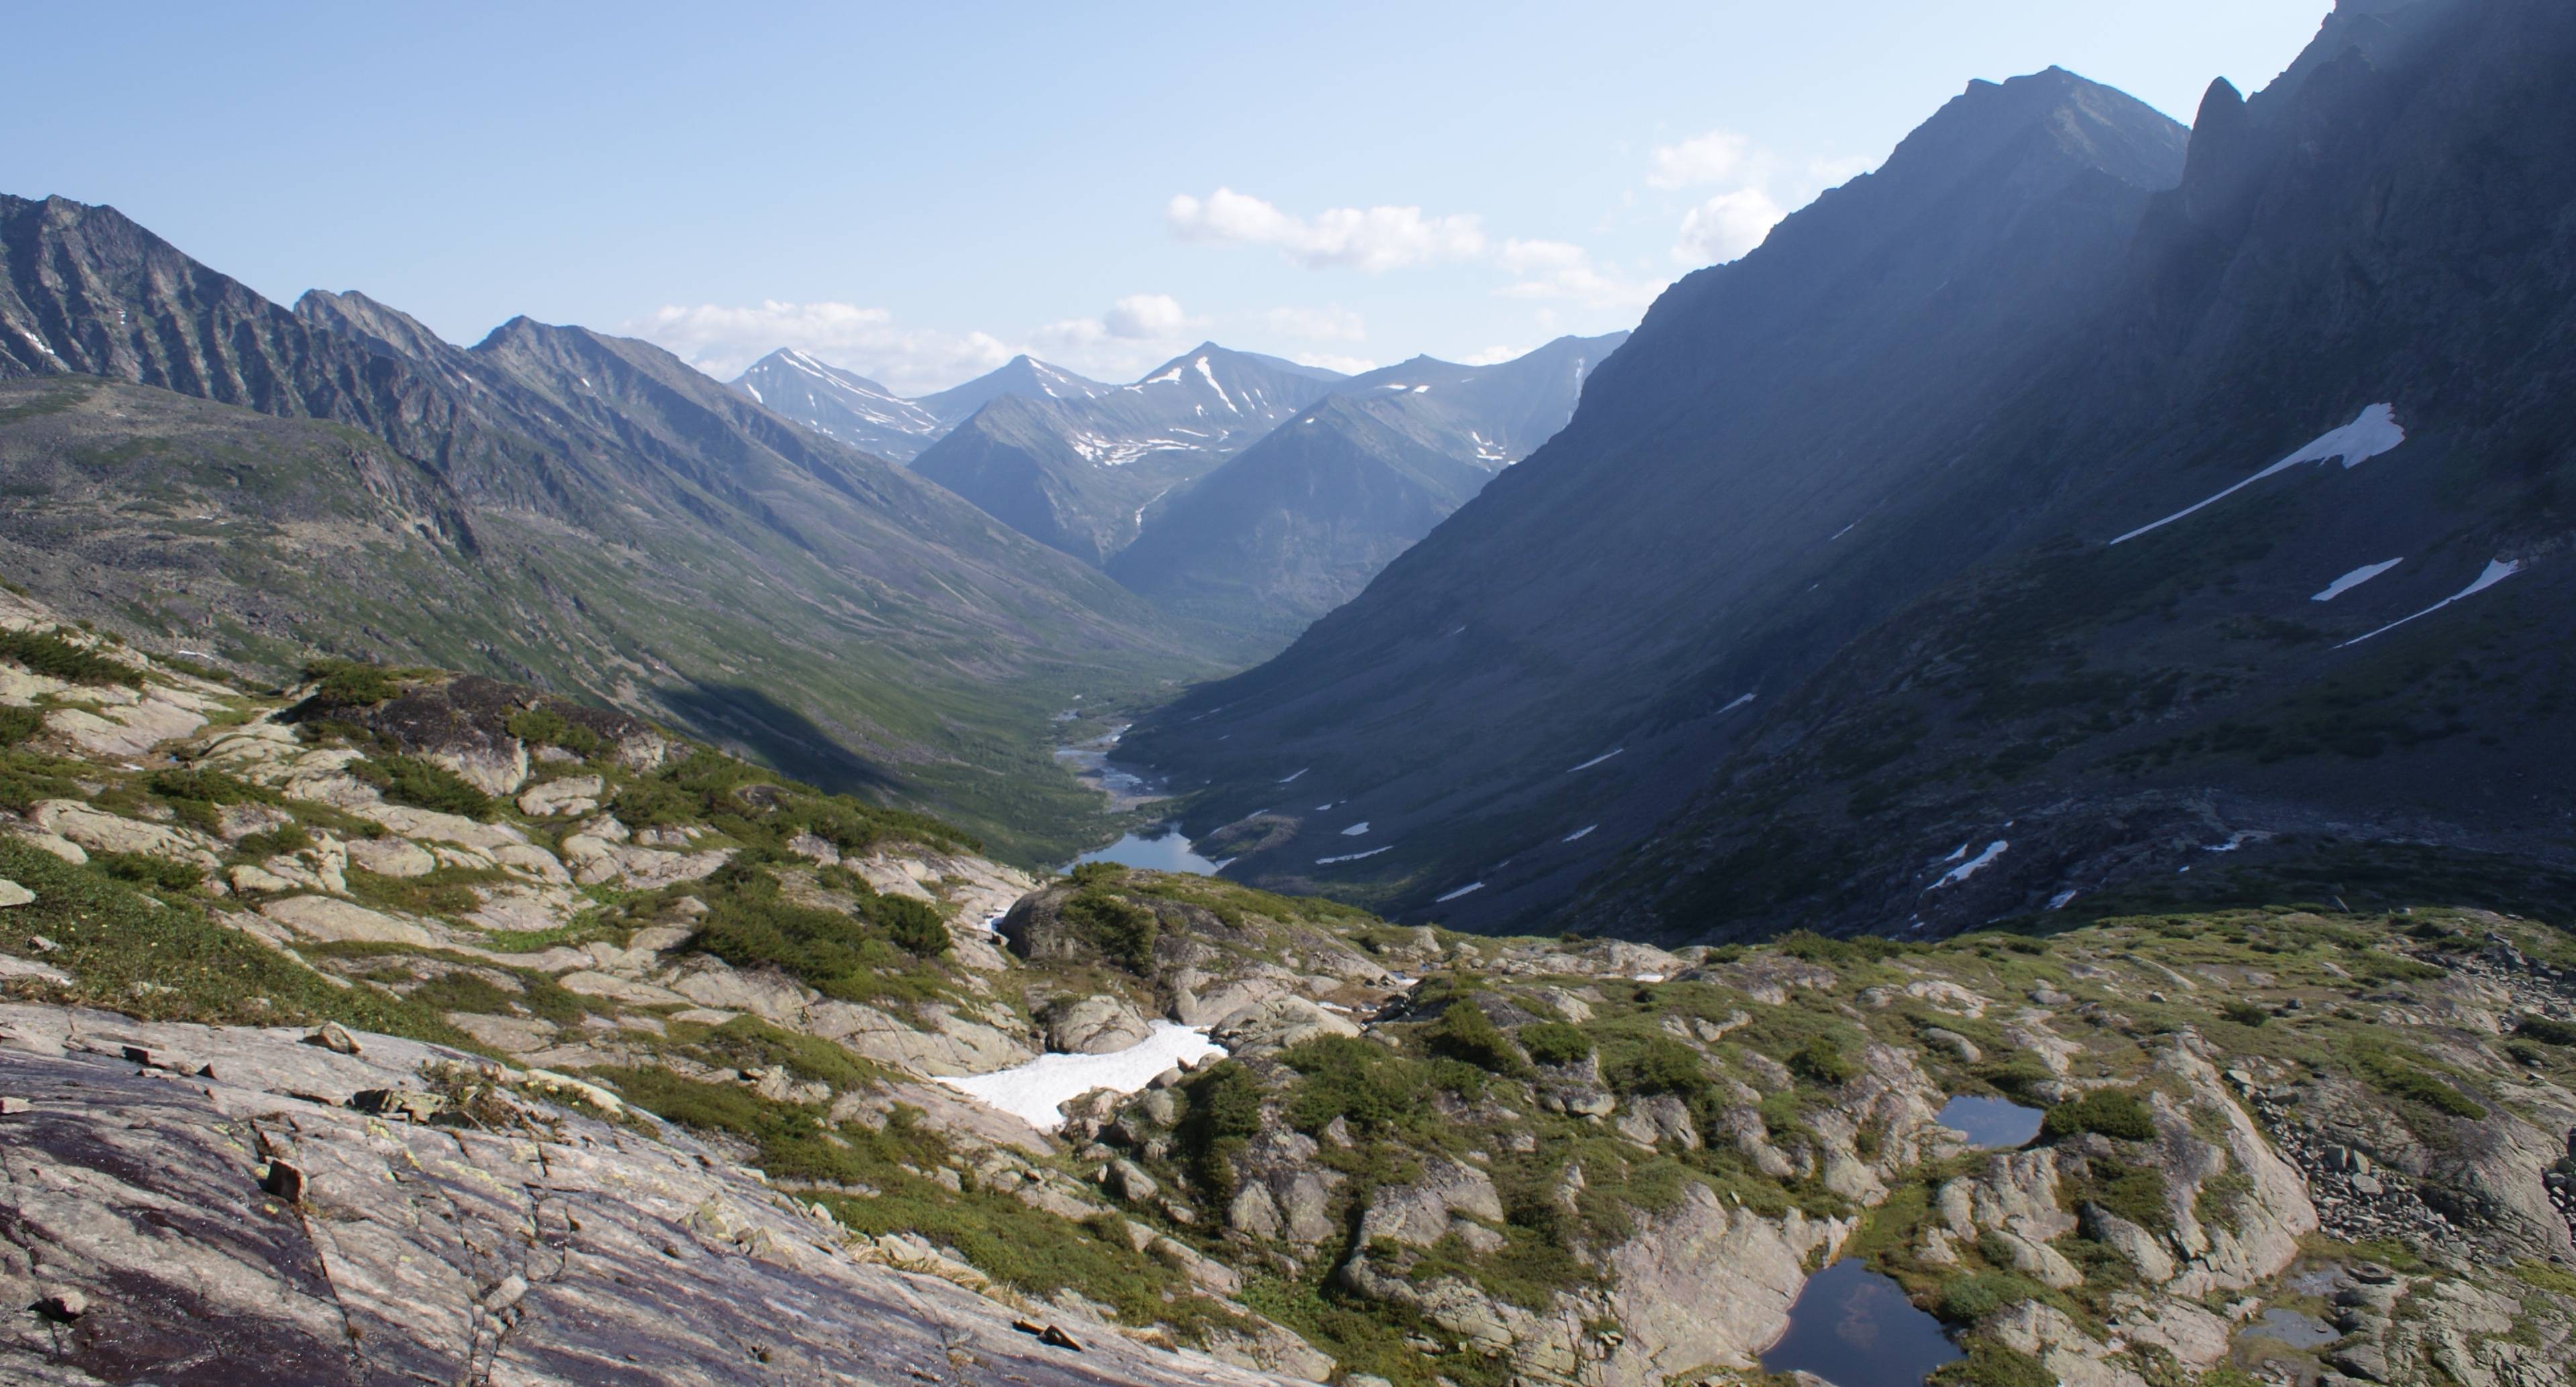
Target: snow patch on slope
(2374, 433)
(2355, 579)
(1037, 1091)
(2497, 571)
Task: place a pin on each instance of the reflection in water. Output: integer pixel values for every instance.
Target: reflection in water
(1855, 1328)
(1993, 1123)
(1165, 851)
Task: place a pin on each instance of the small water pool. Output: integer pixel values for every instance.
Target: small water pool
(1162, 848)
(1855, 1328)
(1993, 1123)
(2296, 1328)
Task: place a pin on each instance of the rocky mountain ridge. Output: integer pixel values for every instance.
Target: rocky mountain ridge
(436, 1025)
(212, 472)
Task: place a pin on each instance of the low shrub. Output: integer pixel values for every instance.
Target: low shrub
(1658, 1064)
(1555, 1042)
(1990, 1364)
(1822, 1061)
(1223, 1112)
(350, 684)
(1972, 1298)
(425, 785)
(1121, 930)
(145, 870)
(2546, 1030)
(2112, 1112)
(20, 725)
(44, 652)
(546, 727)
(1464, 1033)
(1340, 1076)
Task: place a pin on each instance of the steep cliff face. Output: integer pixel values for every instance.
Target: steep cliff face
(2295, 511)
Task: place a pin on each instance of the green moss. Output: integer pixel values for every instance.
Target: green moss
(425, 784)
(19, 725)
(853, 955)
(2403, 1073)
(1972, 1298)
(159, 961)
(1990, 1364)
(546, 727)
(1367, 1085)
(2112, 1112)
(46, 653)
(1555, 1042)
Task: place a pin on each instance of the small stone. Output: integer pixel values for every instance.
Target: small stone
(63, 1303)
(506, 1294)
(11, 1107)
(11, 893)
(1057, 1338)
(284, 1181)
(42, 945)
(335, 1038)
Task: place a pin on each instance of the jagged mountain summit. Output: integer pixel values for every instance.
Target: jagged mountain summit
(1024, 376)
(201, 467)
(840, 404)
(2163, 523)
(1081, 472)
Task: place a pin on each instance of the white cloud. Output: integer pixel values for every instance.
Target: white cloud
(1145, 317)
(1726, 226)
(1364, 238)
(1332, 323)
(1719, 156)
(1347, 365)
(723, 339)
(1561, 270)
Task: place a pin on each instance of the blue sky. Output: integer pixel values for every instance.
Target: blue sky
(917, 191)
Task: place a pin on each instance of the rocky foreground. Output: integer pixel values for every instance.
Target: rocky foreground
(399, 1027)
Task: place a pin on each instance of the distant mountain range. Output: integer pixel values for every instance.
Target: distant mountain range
(209, 471)
(1255, 533)
(2044, 519)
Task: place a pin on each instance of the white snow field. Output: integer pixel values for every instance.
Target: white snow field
(2355, 579)
(2497, 571)
(1973, 865)
(2374, 433)
(1037, 1091)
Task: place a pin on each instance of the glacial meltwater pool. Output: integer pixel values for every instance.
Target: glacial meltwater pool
(1162, 848)
(1993, 1123)
(1855, 1328)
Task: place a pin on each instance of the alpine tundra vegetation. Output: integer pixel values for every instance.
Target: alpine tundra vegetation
(1982, 801)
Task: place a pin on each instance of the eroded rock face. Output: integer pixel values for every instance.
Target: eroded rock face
(218, 1230)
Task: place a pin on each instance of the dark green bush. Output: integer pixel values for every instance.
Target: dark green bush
(350, 683)
(913, 925)
(207, 787)
(425, 785)
(1224, 1110)
(145, 870)
(2546, 1030)
(1972, 1298)
(46, 653)
(750, 925)
(1464, 1033)
(2245, 1013)
(1368, 1085)
(1555, 1042)
(546, 727)
(1822, 1061)
(1990, 1364)
(19, 725)
(1120, 929)
(1659, 1064)
(2111, 1112)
